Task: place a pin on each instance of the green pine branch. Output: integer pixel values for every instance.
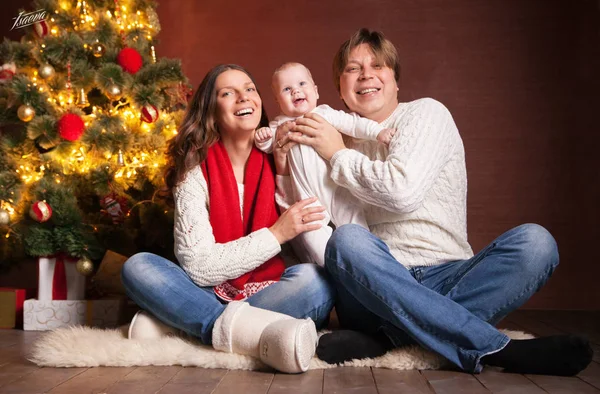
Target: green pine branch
(147, 95)
(60, 50)
(162, 73)
(43, 131)
(16, 52)
(112, 74)
(27, 93)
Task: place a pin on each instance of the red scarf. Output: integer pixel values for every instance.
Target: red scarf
(226, 219)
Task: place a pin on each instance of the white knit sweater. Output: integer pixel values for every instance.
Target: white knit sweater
(207, 262)
(416, 188)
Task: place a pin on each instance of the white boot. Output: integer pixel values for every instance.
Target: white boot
(279, 340)
(145, 326)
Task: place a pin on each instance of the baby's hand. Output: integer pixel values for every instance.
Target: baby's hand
(263, 134)
(385, 136)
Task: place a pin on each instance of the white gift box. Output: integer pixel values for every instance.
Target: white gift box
(75, 282)
(39, 315)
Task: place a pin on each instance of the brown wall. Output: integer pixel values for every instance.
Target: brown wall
(520, 78)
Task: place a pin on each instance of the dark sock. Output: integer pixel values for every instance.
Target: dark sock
(563, 355)
(345, 345)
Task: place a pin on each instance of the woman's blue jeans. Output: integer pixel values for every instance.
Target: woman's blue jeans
(165, 290)
(450, 308)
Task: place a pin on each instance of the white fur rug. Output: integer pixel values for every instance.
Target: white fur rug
(93, 347)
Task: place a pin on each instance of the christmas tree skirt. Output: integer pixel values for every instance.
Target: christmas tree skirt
(93, 347)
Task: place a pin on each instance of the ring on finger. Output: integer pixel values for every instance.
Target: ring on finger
(279, 143)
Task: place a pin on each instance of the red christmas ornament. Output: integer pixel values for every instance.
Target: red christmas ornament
(7, 72)
(115, 207)
(130, 60)
(70, 127)
(6, 75)
(41, 29)
(40, 211)
(149, 113)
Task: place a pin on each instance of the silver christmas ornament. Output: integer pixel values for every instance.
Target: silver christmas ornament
(46, 71)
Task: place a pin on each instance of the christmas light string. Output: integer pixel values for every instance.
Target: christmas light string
(120, 21)
(78, 161)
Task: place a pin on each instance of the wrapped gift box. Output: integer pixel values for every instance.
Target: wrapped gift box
(11, 306)
(42, 315)
(107, 280)
(58, 279)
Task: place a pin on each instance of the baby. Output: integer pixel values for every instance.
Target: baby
(296, 94)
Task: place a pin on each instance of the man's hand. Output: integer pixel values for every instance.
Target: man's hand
(313, 130)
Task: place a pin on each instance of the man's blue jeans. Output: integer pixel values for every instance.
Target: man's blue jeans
(165, 290)
(451, 308)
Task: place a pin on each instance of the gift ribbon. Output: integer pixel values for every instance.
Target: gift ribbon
(59, 278)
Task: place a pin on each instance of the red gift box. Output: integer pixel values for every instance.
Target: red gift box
(11, 306)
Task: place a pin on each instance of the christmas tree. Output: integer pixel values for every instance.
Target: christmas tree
(86, 112)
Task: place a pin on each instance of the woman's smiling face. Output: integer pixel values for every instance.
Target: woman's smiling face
(239, 106)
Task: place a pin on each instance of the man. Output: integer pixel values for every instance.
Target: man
(414, 276)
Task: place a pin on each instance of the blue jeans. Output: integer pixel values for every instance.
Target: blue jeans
(450, 308)
(164, 289)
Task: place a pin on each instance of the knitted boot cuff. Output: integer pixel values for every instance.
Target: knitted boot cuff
(222, 330)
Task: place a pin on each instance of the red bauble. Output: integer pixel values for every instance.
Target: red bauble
(130, 60)
(149, 113)
(6, 75)
(70, 127)
(7, 72)
(40, 211)
(41, 29)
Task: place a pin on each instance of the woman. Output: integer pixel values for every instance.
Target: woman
(414, 276)
(228, 237)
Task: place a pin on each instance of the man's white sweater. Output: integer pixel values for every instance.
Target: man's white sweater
(416, 188)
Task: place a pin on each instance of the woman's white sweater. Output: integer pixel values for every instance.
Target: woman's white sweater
(207, 262)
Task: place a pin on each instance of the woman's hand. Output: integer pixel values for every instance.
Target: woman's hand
(313, 130)
(281, 147)
(297, 219)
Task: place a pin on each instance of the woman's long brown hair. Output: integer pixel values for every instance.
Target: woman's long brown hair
(199, 130)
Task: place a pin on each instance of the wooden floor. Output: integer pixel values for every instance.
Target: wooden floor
(17, 375)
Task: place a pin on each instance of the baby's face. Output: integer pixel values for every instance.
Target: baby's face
(295, 91)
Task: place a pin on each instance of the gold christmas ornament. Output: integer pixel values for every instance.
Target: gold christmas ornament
(85, 266)
(46, 71)
(120, 160)
(26, 112)
(98, 49)
(82, 99)
(114, 92)
(4, 217)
